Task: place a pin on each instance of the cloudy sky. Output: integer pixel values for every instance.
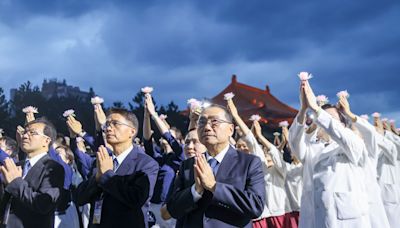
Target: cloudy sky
(191, 48)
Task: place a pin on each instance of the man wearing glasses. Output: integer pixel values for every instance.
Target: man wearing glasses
(121, 184)
(32, 192)
(222, 187)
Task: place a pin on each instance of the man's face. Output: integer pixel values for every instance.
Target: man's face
(4, 147)
(214, 128)
(118, 129)
(34, 139)
(193, 145)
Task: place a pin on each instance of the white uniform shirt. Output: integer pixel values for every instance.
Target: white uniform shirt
(334, 192)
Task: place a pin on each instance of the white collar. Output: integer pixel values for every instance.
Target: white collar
(35, 158)
(121, 157)
(220, 156)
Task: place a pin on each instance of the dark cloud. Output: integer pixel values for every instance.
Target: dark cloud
(190, 48)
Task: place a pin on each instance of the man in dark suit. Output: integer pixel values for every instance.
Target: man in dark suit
(221, 188)
(32, 193)
(121, 184)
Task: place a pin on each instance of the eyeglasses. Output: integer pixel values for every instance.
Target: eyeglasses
(31, 132)
(115, 124)
(203, 121)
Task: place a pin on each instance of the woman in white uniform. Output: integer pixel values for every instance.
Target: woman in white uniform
(377, 214)
(334, 193)
(274, 172)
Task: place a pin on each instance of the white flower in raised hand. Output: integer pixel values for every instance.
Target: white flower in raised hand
(69, 112)
(304, 76)
(343, 93)
(228, 96)
(392, 121)
(376, 115)
(96, 100)
(365, 116)
(384, 120)
(147, 89)
(163, 116)
(193, 104)
(255, 117)
(79, 139)
(30, 109)
(283, 124)
(322, 100)
(277, 134)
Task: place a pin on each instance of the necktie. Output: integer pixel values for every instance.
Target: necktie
(27, 166)
(115, 161)
(213, 164)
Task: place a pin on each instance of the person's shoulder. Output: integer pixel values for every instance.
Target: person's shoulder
(51, 164)
(245, 156)
(144, 159)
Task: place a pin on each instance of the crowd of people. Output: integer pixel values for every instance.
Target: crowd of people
(330, 168)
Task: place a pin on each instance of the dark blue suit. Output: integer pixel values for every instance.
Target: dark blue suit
(34, 198)
(169, 164)
(126, 192)
(238, 198)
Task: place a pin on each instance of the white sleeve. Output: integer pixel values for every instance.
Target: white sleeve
(277, 158)
(196, 195)
(297, 140)
(388, 148)
(352, 145)
(254, 147)
(370, 136)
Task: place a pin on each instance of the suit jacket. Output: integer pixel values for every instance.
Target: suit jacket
(125, 193)
(239, 195)
(34, 199)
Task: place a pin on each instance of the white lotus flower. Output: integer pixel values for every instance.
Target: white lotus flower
(194, 104)
(163, 117)
(283, 124)
(255, 117)
(228, 96)
(277, 134)
(96, 100)
(376, 115)
(69, 112)
(322, 100)
(79, 139)
(365, 116)
(30, 109)
(304, 76)
(343, 93)
(147, 89)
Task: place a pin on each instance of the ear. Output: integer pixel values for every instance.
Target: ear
(133, 132)
(231, 129)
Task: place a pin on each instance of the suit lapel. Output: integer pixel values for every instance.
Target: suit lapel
(228, 162)
(128, 165)
(33, 175)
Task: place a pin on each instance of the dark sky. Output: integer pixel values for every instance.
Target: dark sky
(191, 48)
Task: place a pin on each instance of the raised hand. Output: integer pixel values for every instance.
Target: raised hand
(74, 126)
(99, 116)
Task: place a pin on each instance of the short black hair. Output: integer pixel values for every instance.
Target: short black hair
(10, 143)
(48, 130)
(227, 114)
(129, 116)
(341, 116)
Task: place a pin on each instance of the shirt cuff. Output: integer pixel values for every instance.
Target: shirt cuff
(195, 194)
